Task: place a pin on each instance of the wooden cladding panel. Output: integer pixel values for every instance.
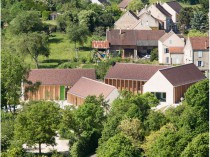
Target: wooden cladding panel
(106, 81)
(118, 85)
(179, 92)
(74, 100)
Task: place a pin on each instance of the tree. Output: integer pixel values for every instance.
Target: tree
(34, 44)
(200, 21)
(23, 23)
(199, 146)
(205, 5)
(37, 123)
(13, 73)
(118, 146)
(77, 33)
(185, 17)
(198, 95)
(154, 55)
(135, 5)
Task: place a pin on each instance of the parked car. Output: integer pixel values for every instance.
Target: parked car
(146, 57)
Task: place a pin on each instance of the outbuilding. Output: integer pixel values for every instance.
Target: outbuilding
(170, 84)
(88, 87)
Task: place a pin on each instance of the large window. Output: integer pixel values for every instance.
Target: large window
(200, 63)
(200, 54)
(160, 96)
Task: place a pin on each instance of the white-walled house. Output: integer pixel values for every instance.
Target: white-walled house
(174, 8)
(157, 11)
(196, 51)
(170, 84)
(176, 43)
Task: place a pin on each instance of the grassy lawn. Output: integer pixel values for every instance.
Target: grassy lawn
(61, 50)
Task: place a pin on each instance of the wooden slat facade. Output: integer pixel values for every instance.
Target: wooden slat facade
(133, 86)
(45, 92)
(75, 100)
(180, 91)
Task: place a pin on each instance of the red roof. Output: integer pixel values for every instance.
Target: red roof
(200, 43)
(60, 76)
(131, 71)
(184, 74)
(176, 50)
(85, 87)
(100, 44)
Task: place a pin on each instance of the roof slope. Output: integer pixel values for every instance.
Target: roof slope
(85, 87)
(124, 3)
(162, 10)
(59, 76)
(176, 50)
(200, 43)
(130, 37)
(175, 6)
(183, 74)
(133, 71)
(166, 36)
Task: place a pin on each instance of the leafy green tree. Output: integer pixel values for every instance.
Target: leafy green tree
(118, 146)
(155, 120)
(87, 18)
(198, 95)
(77, 33)
(135, 5)
(13, 73)
(200, 21)
(23, 23)
(196, 33)
(37, 123)
(199, 146)
(205, 5)
(34, 44)
(184, 18)
(114, 11)
(154, 55)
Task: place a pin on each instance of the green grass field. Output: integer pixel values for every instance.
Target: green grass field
(61, 50)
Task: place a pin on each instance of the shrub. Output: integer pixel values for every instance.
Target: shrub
(45, 15)
(154, 55)
(68, 65)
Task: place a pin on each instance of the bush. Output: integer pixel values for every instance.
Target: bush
(84, 60)
(45, 15)
(75, 59)
(154, 55)
(68, 65)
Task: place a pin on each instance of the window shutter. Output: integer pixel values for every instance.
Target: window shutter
(202, 63)
(197, 63)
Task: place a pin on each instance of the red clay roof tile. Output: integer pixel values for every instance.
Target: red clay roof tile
(176, 50)
(200, 43)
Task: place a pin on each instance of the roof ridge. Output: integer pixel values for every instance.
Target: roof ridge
(139, 64)
(97, 81)
(175, 67)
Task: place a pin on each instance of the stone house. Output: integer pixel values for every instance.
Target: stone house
(87, 87)
(126, 21)
(173, 82)
(196, 51)
(157, 11)
(173, 42)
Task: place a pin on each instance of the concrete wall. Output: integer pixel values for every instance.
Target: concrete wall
(158, 83)
(112, 96)
(125, 22)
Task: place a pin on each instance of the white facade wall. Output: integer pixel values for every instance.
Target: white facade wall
(172, 41)
(112, 96)
(177, 58)
(188, 52)
(147, 20)
(158, 83)
(171, 11)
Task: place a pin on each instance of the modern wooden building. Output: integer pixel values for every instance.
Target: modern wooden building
(131, 76)
(170, 84)
(87, 87)
(55, 82)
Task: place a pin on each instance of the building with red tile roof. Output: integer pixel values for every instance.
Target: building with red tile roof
(196, 51)
(55, 82)
(87, 87)
(173, 82)
(131, 76)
